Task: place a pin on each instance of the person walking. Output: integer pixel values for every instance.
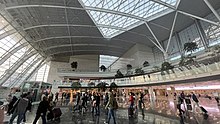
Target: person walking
(19, 109)
(56, 96)
(42, 110)
(111, 106)
(141, 103)
(195, 102)
(29, 97)
(179, 103)
(97, 107)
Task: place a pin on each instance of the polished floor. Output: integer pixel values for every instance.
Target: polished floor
(162, 112)
(88, 118)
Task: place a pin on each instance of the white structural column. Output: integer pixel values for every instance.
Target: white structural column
(152, 97)
(158, 43)
(21, 75)
(171, 32)
(15, 66)
(201, 34)
(10, 53)
(200, 18)
(212, 9)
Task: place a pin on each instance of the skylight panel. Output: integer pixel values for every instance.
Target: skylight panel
(126, 9)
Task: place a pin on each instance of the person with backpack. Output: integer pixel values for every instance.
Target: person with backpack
(112, 105)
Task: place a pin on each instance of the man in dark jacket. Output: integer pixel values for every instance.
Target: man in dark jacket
(97, 98)
(42, 110)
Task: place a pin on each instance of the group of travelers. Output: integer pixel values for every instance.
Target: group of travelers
(185, 99)
(18, 106)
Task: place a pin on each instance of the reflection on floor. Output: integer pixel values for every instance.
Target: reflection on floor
(88, 118)
(163, 112)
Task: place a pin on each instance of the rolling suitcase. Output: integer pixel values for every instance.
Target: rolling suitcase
(57, 113)
(203, 110)
(50, 116)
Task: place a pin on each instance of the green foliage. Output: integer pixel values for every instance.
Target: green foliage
(190, 47)
(129, 67)
(139, 71)
(91, 84)
(75, 85)
(102, 86)
(103, 68)
(187, 60)
(146, 63)
(119, 74)
(74, 65)
(166, 66)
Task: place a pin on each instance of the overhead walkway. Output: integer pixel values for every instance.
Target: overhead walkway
(180, 75)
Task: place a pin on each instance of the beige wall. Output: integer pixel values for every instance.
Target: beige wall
(85, 63)
(135, 56)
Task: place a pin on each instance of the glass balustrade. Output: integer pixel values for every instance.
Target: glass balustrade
(182, 73)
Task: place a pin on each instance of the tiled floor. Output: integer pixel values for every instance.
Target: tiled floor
(88, 118)
(164, 112)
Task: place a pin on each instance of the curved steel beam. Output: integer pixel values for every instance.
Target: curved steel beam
(87, 26)
(68, 51)
(22, 74)
(10, 53)
(94, 37)
(75, 45)
(15, 66)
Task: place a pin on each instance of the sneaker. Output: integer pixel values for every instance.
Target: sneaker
(105, 122)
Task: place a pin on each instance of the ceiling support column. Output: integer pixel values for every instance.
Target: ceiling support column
(202, 34)
(179, 44)
(171, 32)
(158, 45)
(212, 9)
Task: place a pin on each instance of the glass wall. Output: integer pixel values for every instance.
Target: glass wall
(13, 48)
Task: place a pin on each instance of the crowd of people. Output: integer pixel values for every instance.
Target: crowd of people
(91, 102)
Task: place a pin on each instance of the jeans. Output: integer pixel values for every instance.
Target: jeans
(131, 105)
(97, 109)
(43, 116)
(67, 101)
(111, 113)
(14, 115)
(24, 118)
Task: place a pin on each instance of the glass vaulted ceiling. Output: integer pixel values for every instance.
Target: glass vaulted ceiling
(109, 23)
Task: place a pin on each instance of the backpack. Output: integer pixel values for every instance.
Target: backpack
(115, 104)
